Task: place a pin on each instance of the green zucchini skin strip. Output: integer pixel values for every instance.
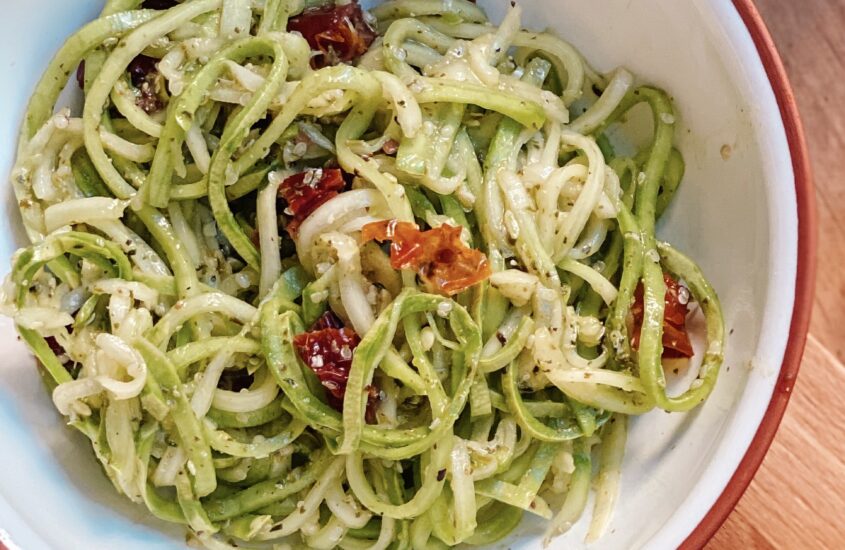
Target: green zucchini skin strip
(501, 155)
(161, 507)
(277, 332)
(266, 493)
(632, 266)
(113, 69)
(45, 356)
(651, 348)
(233, 135)
(446, 120)
(527, 421)
(68, 59)
(204, 481)
(182, 111)
(221, 441)
(462, 10)
(684, 268)
(374, 346)
(423, 499)
(86, 176)
(524, 494)
(512, 348)
(258, 417)
(394, 42)
(495, 522)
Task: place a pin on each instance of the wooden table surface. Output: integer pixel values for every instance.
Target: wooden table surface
(797, 499)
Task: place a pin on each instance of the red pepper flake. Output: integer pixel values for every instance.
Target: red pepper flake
(676, 342)
(443, 261)
(307, 191)
(327, 349)
(337, 34)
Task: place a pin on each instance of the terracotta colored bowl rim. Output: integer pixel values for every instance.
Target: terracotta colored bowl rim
(804, 281)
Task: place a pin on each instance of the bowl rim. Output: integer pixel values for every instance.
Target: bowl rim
(804, 280)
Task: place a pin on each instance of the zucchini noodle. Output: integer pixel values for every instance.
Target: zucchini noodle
(206, 219)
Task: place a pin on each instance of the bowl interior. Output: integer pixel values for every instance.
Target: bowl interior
(735, 214)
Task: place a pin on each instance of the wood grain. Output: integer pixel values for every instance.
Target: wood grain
(797, 498)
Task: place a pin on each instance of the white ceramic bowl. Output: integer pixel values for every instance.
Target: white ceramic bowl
(744, 212)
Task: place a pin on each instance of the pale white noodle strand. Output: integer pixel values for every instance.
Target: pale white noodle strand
(120, 437)
(198, 148)
(185, 233)
(247, 400)
(351, 282)
(76, 211)
(601, 110)
(268, 233)
(324, 218)
(590, 195)
(204, 393)
(171, 462)
(135, 152)
(309, 505)
(112, 361)
(142, 254)
(408, 112)
(345, 507)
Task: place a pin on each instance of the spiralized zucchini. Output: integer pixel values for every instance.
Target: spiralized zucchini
(166, 288)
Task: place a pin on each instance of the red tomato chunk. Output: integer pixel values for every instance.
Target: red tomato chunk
(143, 73)
(327, 350)
(676, 342)
(438, 255)
(337, 34)
(307, 191)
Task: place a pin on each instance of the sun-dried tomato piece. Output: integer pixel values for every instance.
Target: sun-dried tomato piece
(307, 191)
(143, 73)
(676, 342)
(328, 352)
(337, 33)
(327, 349)
(438, 255)
(140, 69)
